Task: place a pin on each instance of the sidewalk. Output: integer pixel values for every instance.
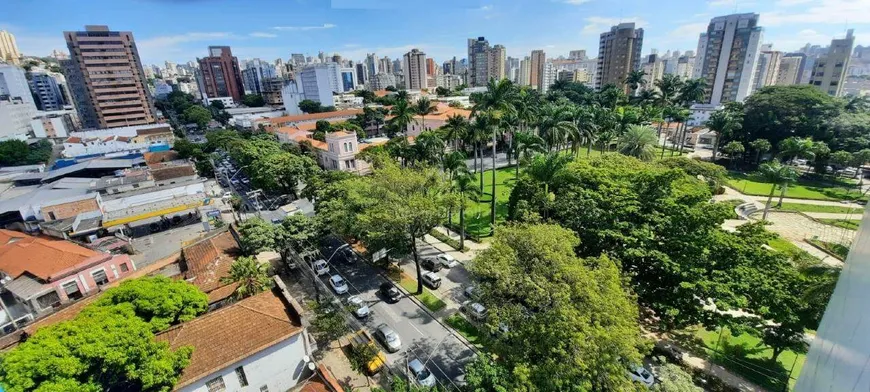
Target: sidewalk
(731, 193)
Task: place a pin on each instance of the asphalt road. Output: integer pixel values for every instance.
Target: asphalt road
(422, 336)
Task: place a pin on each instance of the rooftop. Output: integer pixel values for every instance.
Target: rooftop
(279, 121)
(209, 260)
(41, 257)
(232, 333)
(444, 111)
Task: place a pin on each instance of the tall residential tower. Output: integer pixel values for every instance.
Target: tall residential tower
(618, 54)
(829, 71)
(221, 75)
(414, 67)
(728, 56)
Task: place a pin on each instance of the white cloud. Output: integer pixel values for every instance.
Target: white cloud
(168, 47)
(259, 34)
(597, 24)
(735, 5)
(485, 8)
(823, 12)
(304, 28)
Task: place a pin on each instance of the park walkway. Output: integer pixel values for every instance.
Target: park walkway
(731, 193)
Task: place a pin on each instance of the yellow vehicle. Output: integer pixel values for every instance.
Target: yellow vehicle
(360, 339)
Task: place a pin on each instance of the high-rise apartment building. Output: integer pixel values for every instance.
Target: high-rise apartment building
(536, 69)
(496, 62)
(619, 52)
(221, 75)
(512, 69)
(653, 70)
(525, 72)
(767, 69)
(829, 71)
(577, 55)
(414, 70)
(105, 76)
(8, 48)
(318, 81)
(362, 74)
(47, 91)
(790, 69)
(431, 68)
(549, 77)
(371, 64)
(255, 75)
(385, 65)
(478, 61)
(297, 59)
(348, 79)
(727, 57)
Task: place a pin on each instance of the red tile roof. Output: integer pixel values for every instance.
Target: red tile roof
(314, 116)
(209, 260)
(160, 156)
(232, 333)
(41, 257)
(73, 139)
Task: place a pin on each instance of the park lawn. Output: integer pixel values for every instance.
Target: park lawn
(465, 328)
(428, 299)
(477, 214)
(851, 224)
(783, 245)
(745, 355)
(804, 188)
(819, 208)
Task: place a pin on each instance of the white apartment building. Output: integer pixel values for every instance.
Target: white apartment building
(525, 72)
(15, 116)
(829, 71)
(549, 77)
(768, 68)
(317, 82)
(728, 56)
(13, 83)
(414, 67)
(653, 69)
(291, 95)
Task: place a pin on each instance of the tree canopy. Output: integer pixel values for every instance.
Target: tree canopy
(253, 100)
(158, 300)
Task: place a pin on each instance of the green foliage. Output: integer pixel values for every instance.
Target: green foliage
(361, 355)
(281, 172)
(158, 300)
(16, 152)
(547, 298)
(485, 375)
(639, 142)
(440, 236)
(252, 276)
(778, 112)
(328, 323)
(713, 174)
(256, 236)
(198, 115)
(103, 348)
(297, 232)
(253, 100)
(672, 378)
(310, 107)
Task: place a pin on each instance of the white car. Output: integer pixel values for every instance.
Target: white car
(447, 260)
(358, 306)
(640, 374)
(474, 309)
(338, 284)
(320, 267)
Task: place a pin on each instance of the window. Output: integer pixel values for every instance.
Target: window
(48, 300)
(264, 388)
(216, 384)
(124, 267)
(51, 215)
(72, 290)
(100, 277)
(243, 379)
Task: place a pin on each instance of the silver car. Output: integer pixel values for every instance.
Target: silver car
(388, 337)
(420, 374)
(359, 307)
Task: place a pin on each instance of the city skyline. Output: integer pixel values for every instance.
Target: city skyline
(180, 31)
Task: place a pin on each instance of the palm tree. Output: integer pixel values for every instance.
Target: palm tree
(480, 130)
(402, 95)
(857, 104)
(639, 141)
(403, 114)
(554, 125)
(251, 275)
(454, 163)
(669, 86)
(692, 91)
(429, 146)
(723, 123)
(797, 147)
(455, 129)
(760, 146)
(776, 174)
(646, 97)
(423, 107)
(544, 169)
(680, 116)
(527, 145)
(464, 185)
(635, 80)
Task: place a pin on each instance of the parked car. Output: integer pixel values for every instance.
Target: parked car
(639, 374)
(349, 256)
(431, 280)
(474, 309)
(447, 260)
(358, 307)
(431, 264)
(469, 291)
(388, 337)
(338, 284)
(320, 267)
(361, 339)
(420, 374)
(390, 292)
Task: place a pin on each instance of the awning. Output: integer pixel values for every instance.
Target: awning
(25, 287)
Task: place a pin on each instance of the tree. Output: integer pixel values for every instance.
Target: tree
(841, 159)
(723, 123)
(672, 378)
(256, 236)
(253, 100)
(429, 146)
(639, 142)
(635, 80)
(13, 152)
(297, 232)
(198, 115)
(484, 374)
(403, 114)
(328, 323)
(778, 112)
(527, 144)
(309, 106)
(776, 174)
(463, 184)
(733, 149)
(563, 322)
(424, 107)
(281, 172)
(251, 276)
(692, 91)
(158, 300)
(217, 105)
(797, 147)
(103, 348)
(669, 87)
(442, 92)
(760, 146)
(389, 209)
(455, 129)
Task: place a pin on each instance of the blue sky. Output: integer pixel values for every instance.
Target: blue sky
(180, 30)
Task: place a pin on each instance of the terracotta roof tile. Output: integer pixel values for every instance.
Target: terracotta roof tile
(232, 333)
(168, 173)
(73, 139)
(43, 258)
(160, 156)
(444, 111)
(208, 260)
(314, 116)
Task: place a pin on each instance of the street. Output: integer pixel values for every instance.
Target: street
(422, 336)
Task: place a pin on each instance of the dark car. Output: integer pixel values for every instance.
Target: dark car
(431, 264)
(390, 292)
(349, 256)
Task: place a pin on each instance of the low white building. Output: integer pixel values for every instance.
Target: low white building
(701, 113)
(59, 123)
(291, 95)
(227, 101)
(256, 344)
(15, 117)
